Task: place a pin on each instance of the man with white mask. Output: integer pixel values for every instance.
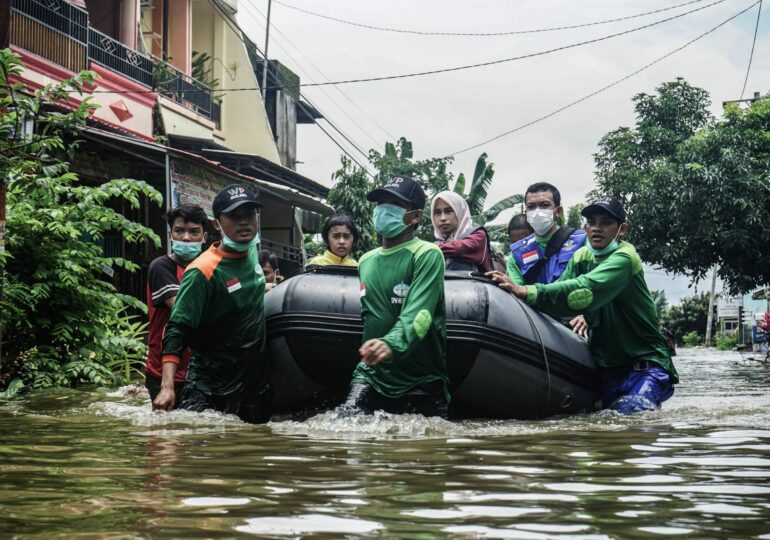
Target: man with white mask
(605, 281)
(542, 256)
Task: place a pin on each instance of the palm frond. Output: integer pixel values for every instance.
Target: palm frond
(504, 204)
(482, 179)
(460, 185)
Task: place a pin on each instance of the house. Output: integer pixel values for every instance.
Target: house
(180, 107)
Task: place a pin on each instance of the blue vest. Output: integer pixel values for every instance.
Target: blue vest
(526, 252)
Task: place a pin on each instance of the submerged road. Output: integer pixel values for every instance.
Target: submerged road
(100, 464)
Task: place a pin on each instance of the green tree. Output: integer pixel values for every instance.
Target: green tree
(574, 218)
(478, 191)
(688, 316)
(352, 183)
(63, 322)
(695, 189)
(661, 303)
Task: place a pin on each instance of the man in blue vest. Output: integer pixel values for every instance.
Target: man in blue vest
(542, 256)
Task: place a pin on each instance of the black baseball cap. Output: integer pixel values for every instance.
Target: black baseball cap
(608, 205)
(231, 198)
(405, 188)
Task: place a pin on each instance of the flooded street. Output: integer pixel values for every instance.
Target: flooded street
(97, 464)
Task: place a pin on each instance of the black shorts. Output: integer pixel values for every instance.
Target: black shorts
(152, 384)
(252, 407)
(427, 400)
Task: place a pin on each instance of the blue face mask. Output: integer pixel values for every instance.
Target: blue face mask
(609, 248)
(240, 247)
(389, 220)
(186, 251)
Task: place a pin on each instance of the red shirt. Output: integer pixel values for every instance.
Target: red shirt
(473, 249)
(163, 279)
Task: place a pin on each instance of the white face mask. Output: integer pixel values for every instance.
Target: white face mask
(540, 220)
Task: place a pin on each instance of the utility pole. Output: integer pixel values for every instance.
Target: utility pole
(710, 318)
(267, 44)
(757, 97)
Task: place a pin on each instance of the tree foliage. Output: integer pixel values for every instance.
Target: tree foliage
(478, 191)
(661, 303)
(352, 183)
(574, 218)
(63, 321)
(697, 190)
(688, 316)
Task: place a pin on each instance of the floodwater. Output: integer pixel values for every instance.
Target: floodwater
(95, 464)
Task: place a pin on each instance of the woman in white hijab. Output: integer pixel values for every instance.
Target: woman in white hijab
(465, 246)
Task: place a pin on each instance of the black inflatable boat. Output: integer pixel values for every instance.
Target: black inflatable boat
(505, 360)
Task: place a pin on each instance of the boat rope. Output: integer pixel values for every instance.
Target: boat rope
(545, 357)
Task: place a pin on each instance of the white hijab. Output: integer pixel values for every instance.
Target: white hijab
(464, 224)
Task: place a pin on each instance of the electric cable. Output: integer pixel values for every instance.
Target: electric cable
(751, 56)
(520, 57)
(463, 67)
(233, 25)
(481, 34)
(604, 88)
(247, 5)
(274, 28)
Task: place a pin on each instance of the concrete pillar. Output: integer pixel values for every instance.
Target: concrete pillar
(180, 34)
(129, 22)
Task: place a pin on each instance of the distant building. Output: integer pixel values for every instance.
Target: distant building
(164, 68)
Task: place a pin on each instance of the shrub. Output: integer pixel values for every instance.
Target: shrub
(691, 339)
(61, 315)
(725, 342)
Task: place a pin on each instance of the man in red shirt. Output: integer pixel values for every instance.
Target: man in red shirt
(187, 223)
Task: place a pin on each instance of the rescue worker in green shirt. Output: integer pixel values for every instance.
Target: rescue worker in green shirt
(604, 280)
(219, 313)
(403, 365)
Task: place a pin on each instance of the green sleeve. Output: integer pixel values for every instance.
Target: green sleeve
(513, 271)
(586, 292)
(189, 308)
(416, 317)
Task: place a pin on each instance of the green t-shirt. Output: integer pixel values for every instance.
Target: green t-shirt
(402, 303)
(219, 313)
(612, 294)
(512, 269)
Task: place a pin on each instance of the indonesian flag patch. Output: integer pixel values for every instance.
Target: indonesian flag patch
(530, 256)
(233, 285)
(362, 291)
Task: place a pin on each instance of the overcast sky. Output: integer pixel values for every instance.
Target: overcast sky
(446, 112)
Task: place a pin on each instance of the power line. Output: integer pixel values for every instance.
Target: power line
(239, 34)
(751, 56)
(247, 4)
(481, 34)
(463, 67)
(604, 88)
(331, 124)
(253, 17)
(515, 58)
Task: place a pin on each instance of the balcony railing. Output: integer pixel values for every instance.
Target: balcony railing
(57, 15)
(60, 32)
(186, 90)
(112, 54)
(54, 30)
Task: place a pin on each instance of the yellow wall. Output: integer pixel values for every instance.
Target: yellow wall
(244, 125)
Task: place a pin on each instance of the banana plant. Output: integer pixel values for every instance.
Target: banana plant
(477, 193)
